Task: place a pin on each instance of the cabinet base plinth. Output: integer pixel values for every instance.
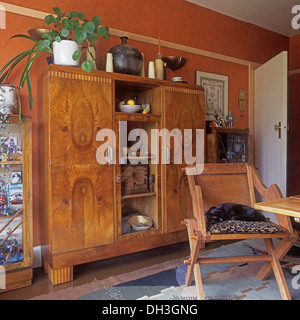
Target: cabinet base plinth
(58, 276)
(17, 279)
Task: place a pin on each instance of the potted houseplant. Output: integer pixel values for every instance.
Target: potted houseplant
(72, 27)
(74, 30)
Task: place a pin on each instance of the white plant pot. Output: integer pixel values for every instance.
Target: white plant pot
(63, 51)
(8, 98)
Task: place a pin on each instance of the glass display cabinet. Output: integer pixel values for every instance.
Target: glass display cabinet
(228, 145)
(15, 202)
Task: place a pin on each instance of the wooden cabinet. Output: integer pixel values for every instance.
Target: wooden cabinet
(15, 202)
(86, 206)
(228, 145)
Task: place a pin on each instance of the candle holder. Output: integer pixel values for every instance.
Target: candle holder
(159, 67)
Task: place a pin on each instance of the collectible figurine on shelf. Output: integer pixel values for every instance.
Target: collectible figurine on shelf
(11, 149)
(2, 257)
(230, 118)
(219, 119)
(146, 108)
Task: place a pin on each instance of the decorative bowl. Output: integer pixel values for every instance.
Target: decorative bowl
(130, 108)
(37, 33)
(174, 62)
(178, 79)
(140, 223)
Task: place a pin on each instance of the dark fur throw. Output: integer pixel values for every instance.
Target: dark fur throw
(232, 211)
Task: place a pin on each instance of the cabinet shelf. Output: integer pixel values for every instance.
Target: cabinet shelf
(135, 234)
(138, 157)
(137, 117)
(139, 195)
(11, 162)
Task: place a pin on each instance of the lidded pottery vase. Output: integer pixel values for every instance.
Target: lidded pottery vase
(126, 59)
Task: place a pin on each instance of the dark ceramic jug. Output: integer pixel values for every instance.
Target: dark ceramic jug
(126, 59)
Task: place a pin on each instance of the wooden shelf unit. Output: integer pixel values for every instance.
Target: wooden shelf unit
(84, 206)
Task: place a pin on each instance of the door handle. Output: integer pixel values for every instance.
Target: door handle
(110, 156)
(168, 155)
(278, 128)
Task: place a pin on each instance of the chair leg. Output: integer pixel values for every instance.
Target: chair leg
(283, 288)
(195, 247)
(199, 283)
(280, 251)
(189, 276)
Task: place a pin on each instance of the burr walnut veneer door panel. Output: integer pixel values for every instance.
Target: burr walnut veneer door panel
(82, 210)
(184, 109)
(79, 109)
(81, 190)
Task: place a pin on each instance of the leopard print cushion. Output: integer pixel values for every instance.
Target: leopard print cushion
(235, 226)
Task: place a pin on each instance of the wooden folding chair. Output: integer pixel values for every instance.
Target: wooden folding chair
(233, 183)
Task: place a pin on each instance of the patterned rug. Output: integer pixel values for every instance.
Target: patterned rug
(221, 282)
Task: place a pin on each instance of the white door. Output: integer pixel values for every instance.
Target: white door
(270, 110)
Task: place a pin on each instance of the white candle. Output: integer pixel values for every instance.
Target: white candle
(109, 62)
(151, 70)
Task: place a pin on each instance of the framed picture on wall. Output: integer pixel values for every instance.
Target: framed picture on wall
(216, 93)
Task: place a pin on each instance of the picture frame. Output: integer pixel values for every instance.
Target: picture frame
(216, 93)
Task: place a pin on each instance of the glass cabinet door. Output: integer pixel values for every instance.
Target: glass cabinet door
(11, 193)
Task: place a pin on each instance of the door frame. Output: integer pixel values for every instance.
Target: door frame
(252, 66)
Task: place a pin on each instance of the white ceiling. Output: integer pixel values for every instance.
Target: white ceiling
(274, 15)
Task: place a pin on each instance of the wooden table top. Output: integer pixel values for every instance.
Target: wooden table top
(289, 206)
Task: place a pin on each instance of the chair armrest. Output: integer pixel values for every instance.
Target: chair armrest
(271, 193)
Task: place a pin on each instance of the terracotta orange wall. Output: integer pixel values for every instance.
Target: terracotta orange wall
(176, 21)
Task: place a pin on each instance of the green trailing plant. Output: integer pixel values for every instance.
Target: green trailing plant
(28, 56)
(72, 26)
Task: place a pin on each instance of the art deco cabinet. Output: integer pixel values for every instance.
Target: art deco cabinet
(86, 206)
(15, 202)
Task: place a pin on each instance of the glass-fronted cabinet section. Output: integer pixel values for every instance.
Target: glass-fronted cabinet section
(11, 214)
(15, 200)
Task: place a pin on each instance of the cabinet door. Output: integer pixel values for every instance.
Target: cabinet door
(184, 109)
(82, 207)
(78, 110)
(81, 189)
(15, 195)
